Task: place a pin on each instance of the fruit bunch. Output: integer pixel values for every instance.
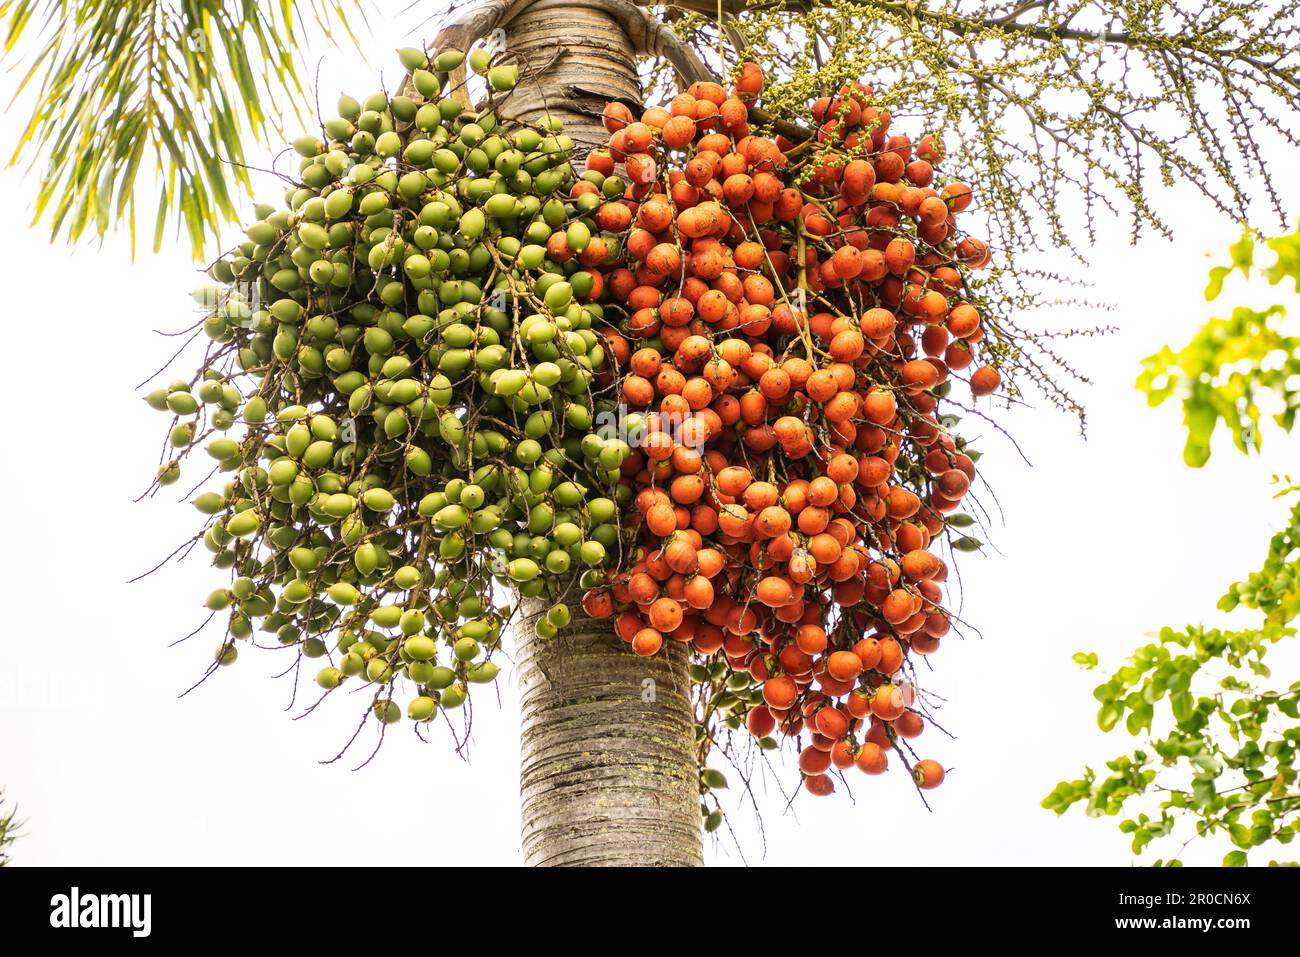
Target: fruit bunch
(701, 381)
(401, 390)
(797, 312)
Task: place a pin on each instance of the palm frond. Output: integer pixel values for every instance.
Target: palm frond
(182, 83)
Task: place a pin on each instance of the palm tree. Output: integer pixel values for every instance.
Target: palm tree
(1072, 107)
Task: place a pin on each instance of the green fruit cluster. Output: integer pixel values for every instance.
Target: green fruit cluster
(401, 392)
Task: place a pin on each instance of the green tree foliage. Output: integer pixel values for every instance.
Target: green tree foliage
(9, 828)
(1231, 365)
(125, 87)
(1218, 732)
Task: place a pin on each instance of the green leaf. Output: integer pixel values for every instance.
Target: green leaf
(1108, 716)
(1231, 367)
(1215, 285)
(1243, 253)
(1234, 859)
(121, 81)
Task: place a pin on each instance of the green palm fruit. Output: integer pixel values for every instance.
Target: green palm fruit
(503, 78)
(243, 524)
(482, 672)
(422, 708)
(343, 593)
(209, 503)
(454, 696)
(420, 648)
(412, 59)
(448, 60)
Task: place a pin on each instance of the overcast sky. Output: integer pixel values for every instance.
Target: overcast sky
(1105, 538)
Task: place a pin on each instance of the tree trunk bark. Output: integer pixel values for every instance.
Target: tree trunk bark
(608, 772)
(574, 58)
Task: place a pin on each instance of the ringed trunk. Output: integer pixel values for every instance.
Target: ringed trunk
(607, 772)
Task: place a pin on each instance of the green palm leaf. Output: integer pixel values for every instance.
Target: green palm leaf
(181, 83)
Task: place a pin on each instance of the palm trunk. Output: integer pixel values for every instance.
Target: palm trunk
(608, 772)
(575, 58)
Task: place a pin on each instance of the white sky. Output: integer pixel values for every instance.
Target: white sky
(1105, 539)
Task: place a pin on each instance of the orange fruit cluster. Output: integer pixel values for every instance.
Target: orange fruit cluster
(793, 316)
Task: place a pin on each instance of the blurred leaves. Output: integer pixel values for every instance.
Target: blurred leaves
(1218, 736)
(1231, 365)
(1224, 757)
(1085, 660)
(170, 91)
(9, 828)
(1274, 589)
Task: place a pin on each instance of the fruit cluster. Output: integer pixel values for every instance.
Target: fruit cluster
(796, 314)
(701, 380)
(402, 388)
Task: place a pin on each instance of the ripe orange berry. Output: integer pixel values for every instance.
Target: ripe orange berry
(871, 759)
(928, 774)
